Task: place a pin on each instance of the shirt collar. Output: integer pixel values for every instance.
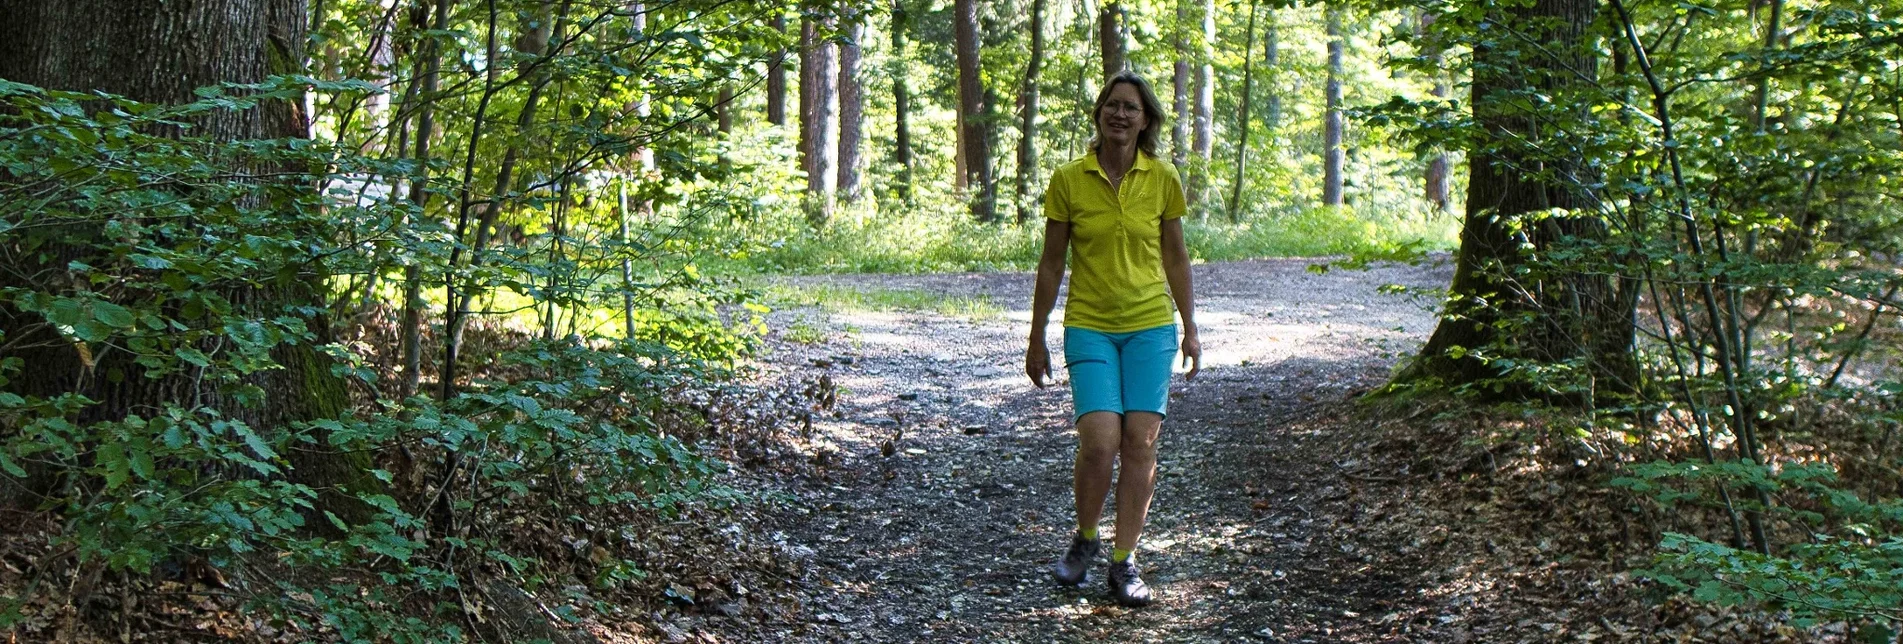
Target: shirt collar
(1142, 163)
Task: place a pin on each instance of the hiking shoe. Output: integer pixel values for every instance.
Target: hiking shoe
(1074, 568)
(1126, 584)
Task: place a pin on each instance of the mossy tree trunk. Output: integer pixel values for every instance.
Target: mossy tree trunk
(159, 52)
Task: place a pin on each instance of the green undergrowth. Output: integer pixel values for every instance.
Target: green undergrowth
(942, 237)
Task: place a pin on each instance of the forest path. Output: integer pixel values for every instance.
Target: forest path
(1252, 534)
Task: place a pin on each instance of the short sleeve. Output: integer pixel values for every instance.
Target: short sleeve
(1057, 206)
(1174, 203)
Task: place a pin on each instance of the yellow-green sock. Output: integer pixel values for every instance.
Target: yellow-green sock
(1088, 533)
(1119, 554)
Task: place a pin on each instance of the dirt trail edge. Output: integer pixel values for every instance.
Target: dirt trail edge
(945, 491)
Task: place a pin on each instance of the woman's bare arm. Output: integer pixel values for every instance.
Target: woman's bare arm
(1176, 270)
(1050, 274)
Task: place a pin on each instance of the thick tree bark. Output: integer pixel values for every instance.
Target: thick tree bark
(818, 76)
(1332, 121)
(160, 52)
(973, 138)
(1028, 112)
(1242, 119)
(1580, 315)
(1180, 87)
(1205, 106)
(901, 101)
(776, 78)
(852, 101)
(1110, 37)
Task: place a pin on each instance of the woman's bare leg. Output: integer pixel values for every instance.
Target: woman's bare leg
(1099, 436)
(1137, 482)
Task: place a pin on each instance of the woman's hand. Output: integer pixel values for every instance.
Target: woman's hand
(1192, 353)
(1037, 362)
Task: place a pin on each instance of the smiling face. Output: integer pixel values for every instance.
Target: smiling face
(1121, 118)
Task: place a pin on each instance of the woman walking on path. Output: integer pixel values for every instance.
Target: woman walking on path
(1119, 208)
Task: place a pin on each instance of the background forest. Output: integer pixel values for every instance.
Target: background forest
(376, 316)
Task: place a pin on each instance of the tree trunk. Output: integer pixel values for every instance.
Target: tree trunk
(1180, 88)
(1271, 63)
(817, 90)
(534, 37)
(1110, 37)
(723, 110)
(413, 302)
(159, 53)
(1027, 124)
(901, 101)
(1435, 178)
(1205, 107)
(1586, 316)
(851, 103)
(776, 77)
(1332, 123)
(973, 139)
(1242, 119)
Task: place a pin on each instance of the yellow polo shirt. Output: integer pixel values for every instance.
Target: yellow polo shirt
(1116, 242)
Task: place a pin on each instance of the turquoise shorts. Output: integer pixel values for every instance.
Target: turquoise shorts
(1119, 372)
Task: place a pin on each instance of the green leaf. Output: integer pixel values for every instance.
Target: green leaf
(112, 457)
(112, 314)
(10, 467)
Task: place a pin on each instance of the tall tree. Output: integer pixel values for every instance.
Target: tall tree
(973, 139)
(1271, 64)
(1332, 121)
(817, 89)
(1242, 119)
(776, 77)
(534, 38)
(1435, 177)
(1027, 120)
(161, 53)
(1518, 169)
(901, 101)
(1180, 88)
(1205, 107)
(1110, 37)
(430, 66)
(852, 101)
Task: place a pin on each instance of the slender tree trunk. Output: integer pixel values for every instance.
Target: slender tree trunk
(851, 103)
(1771, 33)
(973, 140)
(818, 89)
(1110, 37)
(1242, 119)
(1180, 87)
(1332, 123)
(413, 303)
(776, 77)
(1435, 178)
(1271, 63)
(901, 101)
(1205, 108)
(1027, 124)
(723, 112)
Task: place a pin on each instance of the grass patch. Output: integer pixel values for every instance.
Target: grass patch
(847, 299)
